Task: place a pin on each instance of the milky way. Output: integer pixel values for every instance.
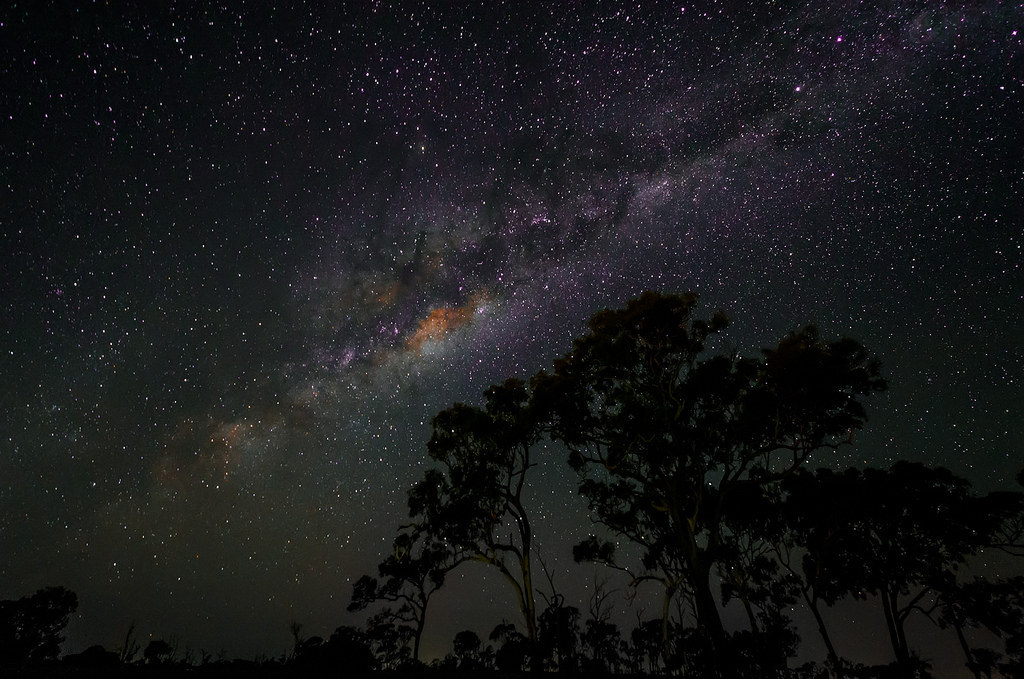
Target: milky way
(247, 256)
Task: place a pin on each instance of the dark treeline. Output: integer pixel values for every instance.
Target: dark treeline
(701, 461)
(718, 473)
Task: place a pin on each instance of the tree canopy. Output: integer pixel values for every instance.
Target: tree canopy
(30, 627)
(666, 434)
(701, 458)
(475, 499)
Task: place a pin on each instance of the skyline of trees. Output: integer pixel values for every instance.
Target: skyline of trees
(696, 460)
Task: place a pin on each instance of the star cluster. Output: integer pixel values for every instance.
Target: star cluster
(249, 252)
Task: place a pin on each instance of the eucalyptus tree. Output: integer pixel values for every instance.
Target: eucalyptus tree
(31, 627)
(474, 500)
(818, 506)
(898, 537)
(916, 528)
(664, 432)
(408, 578)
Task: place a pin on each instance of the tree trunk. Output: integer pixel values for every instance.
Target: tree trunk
(419, 634)
(666, 614)
(896, 633)
(972, 663)
(530, 613)
(751, 616)
(529, 603)
(812, 603)
(709, 617)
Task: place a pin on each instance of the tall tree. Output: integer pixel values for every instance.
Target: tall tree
(817, 507)
(646, 646)
(514, 653)
(662, 433)
(408, 578)
(917, 527)
(466, 646)
(602, 639)
(30, 627)
(997, 606)
(474, 501)
(558, 635)
(994, 603)
(897, 536)
(751, 574)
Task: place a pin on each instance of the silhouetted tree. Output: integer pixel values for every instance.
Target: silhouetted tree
(646, 646)
(559, 635)
(818, 506)
(95, 657)
(602, 640)
(1012, 607)
(913, 534)
(408, 577)
(389, 640)
(1009, 536)
(557, 629)
(661, 566)
(691, 654)
(466, 646)
(30, 627)
(308, 651)
(662, 434)
(158, 652)
(994, 605)
(514, 651)
(298, 638)
(349, 647)
(477, 494)
(751, 573)
(130, 648)
(899, 535)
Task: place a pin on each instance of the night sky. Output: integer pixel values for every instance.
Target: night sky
(247, 254)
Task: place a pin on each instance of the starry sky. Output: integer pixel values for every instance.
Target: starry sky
(248, 253)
